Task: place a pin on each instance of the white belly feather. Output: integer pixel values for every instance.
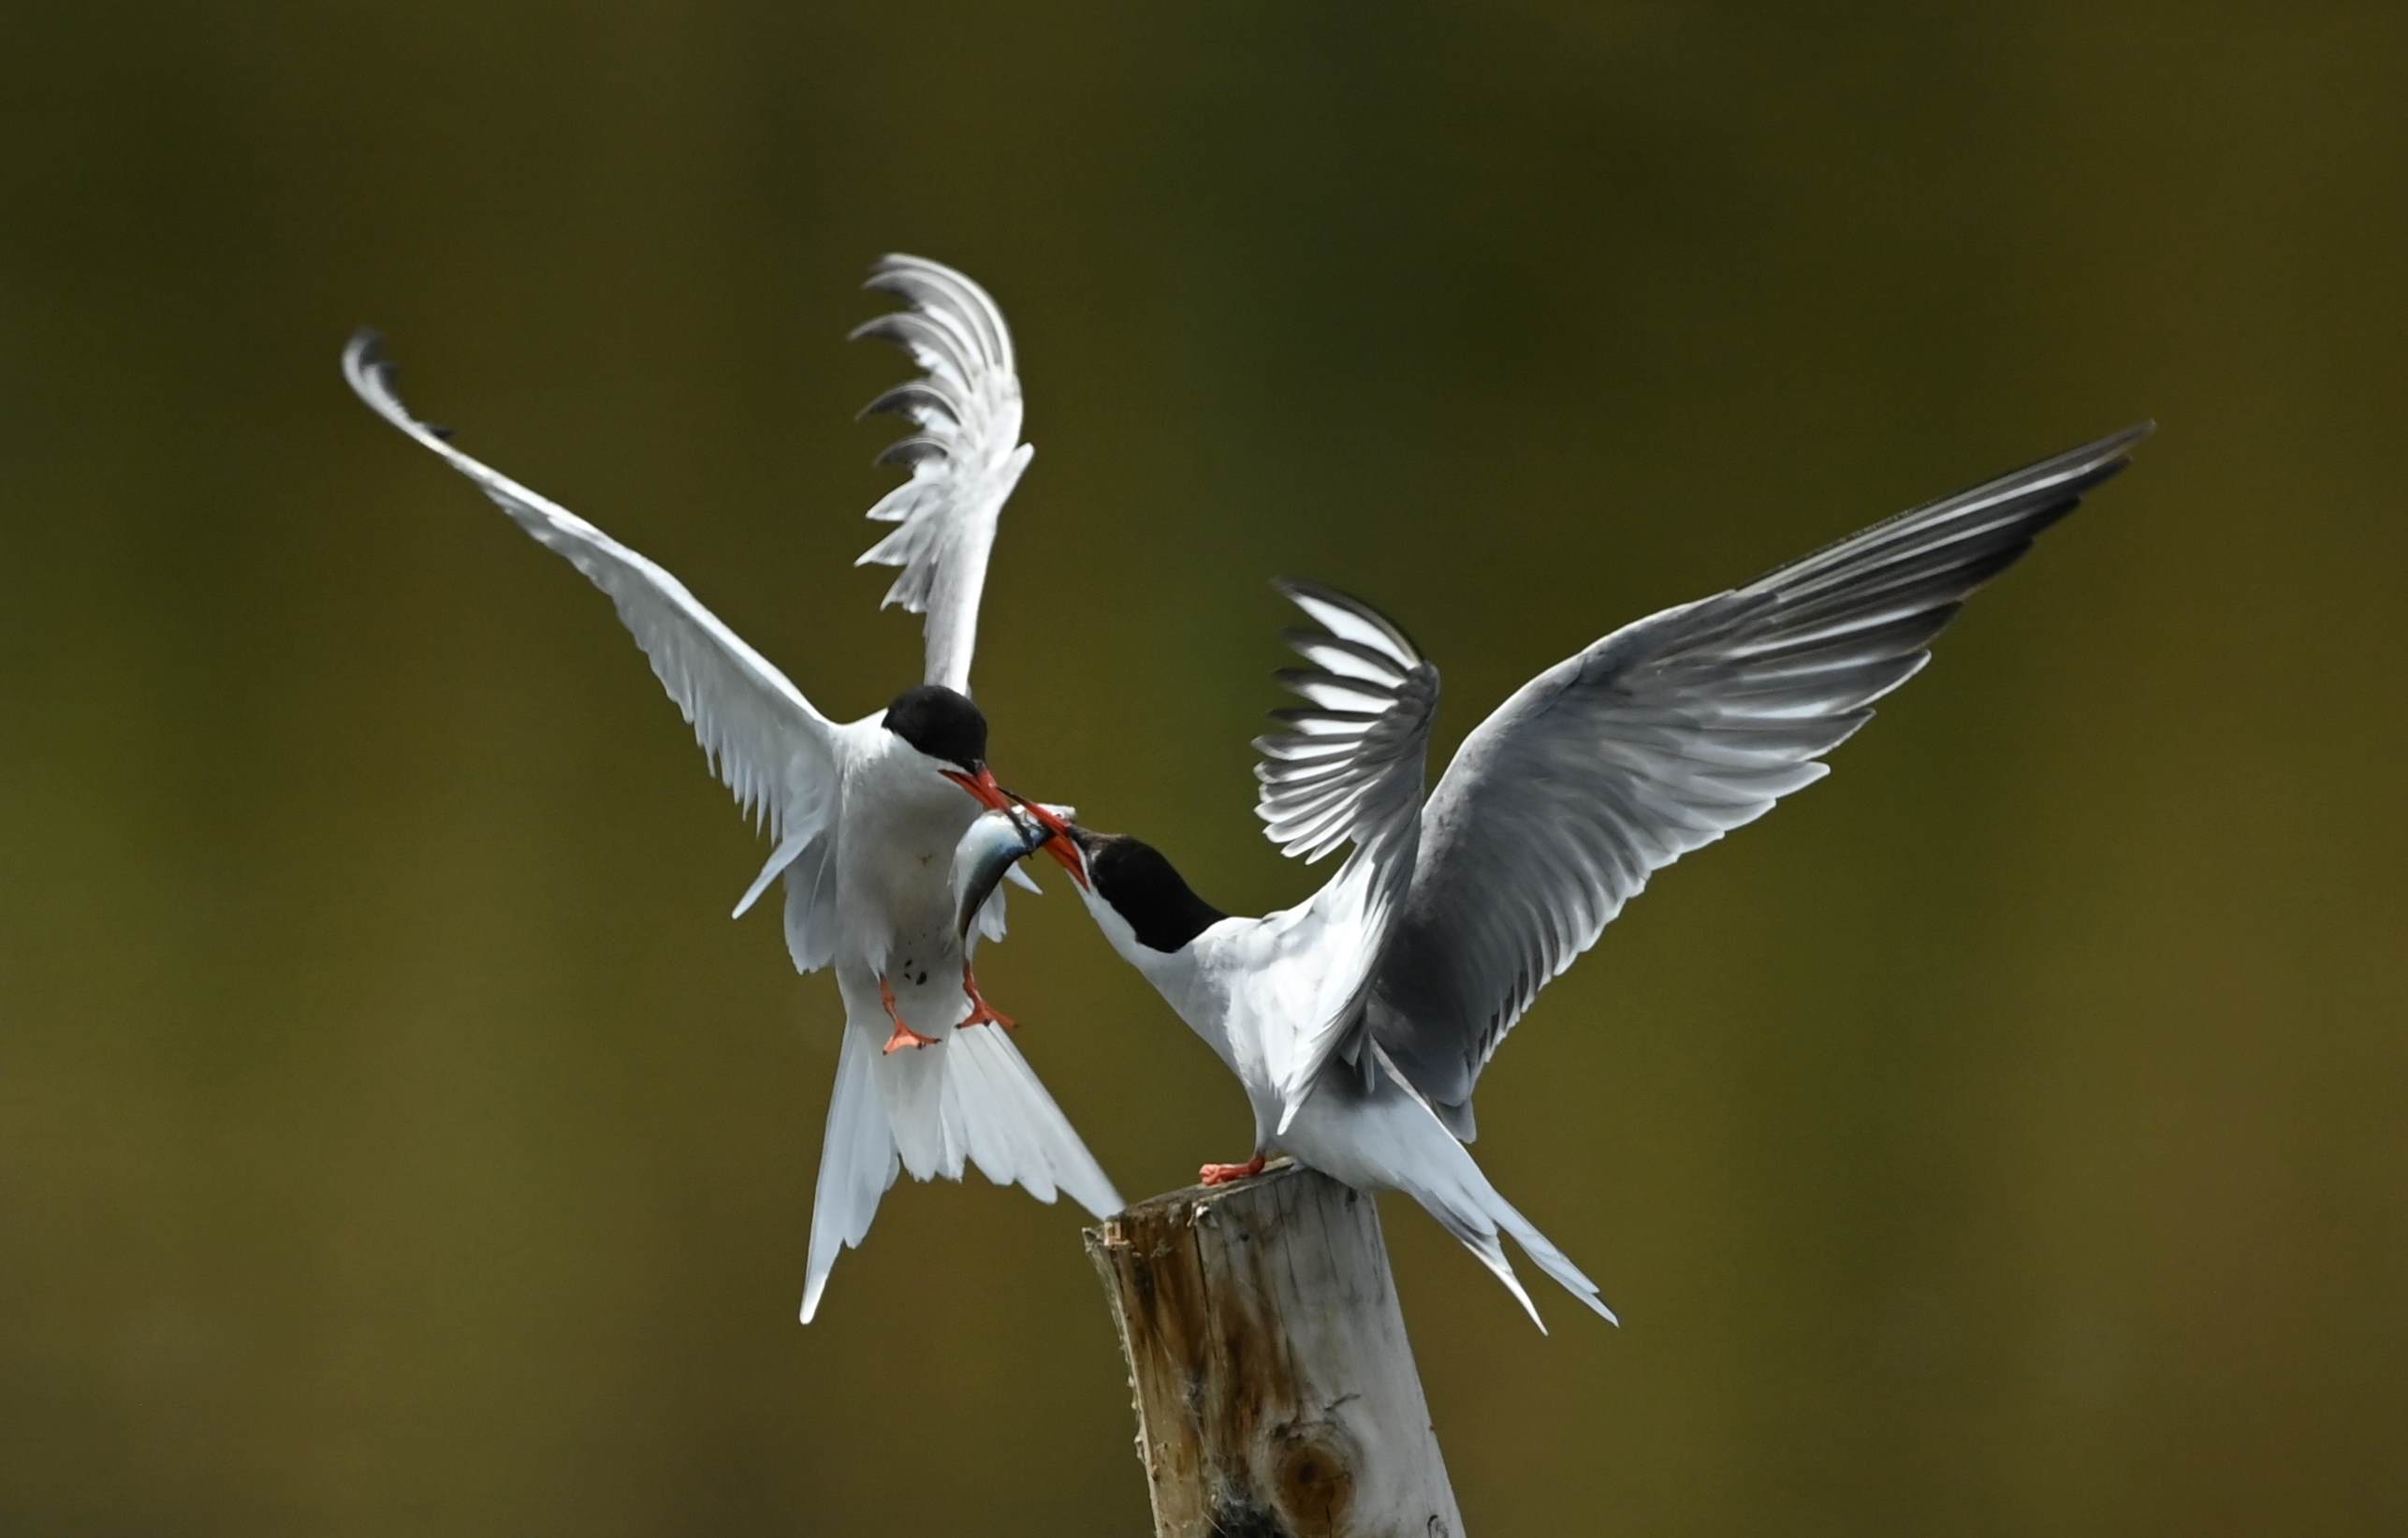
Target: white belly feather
(894, 895)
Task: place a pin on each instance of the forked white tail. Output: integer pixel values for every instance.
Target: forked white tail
(1395, 1140)
(971, 1100)
(1457, 1194)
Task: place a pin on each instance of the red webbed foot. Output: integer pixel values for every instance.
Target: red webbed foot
(1224, 1173)
(904, 1035)
(981, 1012)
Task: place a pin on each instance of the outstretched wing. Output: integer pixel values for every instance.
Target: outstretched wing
(1661, 737)
(964, 456)
(764, 739)
(1347, 769)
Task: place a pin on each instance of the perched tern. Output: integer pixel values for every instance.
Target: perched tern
(865, 812)
(1359, 1021)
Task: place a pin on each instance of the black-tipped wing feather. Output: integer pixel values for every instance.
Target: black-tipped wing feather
(1659, 740)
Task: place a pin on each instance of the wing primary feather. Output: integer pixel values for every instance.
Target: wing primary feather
(761, 737)
(1660, 739)
(1345, 770)
(963, 462)
(910, 399)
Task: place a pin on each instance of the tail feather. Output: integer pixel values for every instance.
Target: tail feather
(858, 1164)
(1012, 1113)
(912, 1087)
(1553, 1261)
(1489, 1253)
(996, 1144)
(1450, 1185)
(969, 1101)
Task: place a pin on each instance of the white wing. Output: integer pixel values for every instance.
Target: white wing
(764, 739)
(1660, 739)
(1347, 769)
(964, 460)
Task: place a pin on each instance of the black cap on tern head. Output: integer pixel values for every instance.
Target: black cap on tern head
(941, 724)
(1143, 887)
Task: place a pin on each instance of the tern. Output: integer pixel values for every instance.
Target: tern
(1359, 1021)
(866, 813)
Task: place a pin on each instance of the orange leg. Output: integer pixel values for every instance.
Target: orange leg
(904, 1035)
(1224, 1173)
(981, 1012)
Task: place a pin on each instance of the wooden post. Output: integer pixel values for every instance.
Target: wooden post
(1275, 1390)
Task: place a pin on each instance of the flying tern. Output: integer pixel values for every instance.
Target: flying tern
(864, 813)
(1359, 1021)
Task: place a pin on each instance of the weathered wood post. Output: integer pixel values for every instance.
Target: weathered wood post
(1274, 1389)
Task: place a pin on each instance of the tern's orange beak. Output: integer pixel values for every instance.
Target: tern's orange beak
(995, 797)
(981, 786)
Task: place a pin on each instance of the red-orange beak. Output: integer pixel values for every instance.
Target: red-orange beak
(981, 786)
(1061, 845)
(995, 797)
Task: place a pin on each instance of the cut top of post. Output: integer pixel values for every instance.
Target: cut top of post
(1275, 1388)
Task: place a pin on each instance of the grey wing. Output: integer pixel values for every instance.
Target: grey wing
(1660, 739)
(1347, 769)
(964, 455)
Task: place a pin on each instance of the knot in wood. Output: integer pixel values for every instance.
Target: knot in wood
(1312, 1477)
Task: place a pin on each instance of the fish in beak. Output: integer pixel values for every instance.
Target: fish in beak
(995, 841)
(1055, 820)
(983, 786)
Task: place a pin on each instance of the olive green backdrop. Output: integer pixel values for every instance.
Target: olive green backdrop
(395, 1137)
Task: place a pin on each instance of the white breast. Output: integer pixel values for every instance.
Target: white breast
(1219, 986)
(902, 819)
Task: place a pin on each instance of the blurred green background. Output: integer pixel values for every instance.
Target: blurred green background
(394, 1136)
